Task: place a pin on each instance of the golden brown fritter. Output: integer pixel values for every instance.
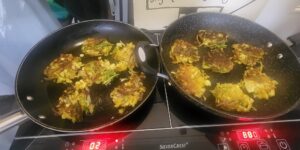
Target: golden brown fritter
(81, 85)
(96, 47)
(247, 54)
(63, 69)
(211, 39)
(259, 84)
(129, 92)
(183, 52)
(124, 56)
(230, 97)
(217, 61)
(98, 72)
(74, 103)
(191, 79)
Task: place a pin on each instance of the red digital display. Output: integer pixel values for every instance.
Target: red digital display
(248, 134)
(94, 144)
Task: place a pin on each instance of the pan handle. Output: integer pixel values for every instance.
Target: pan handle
(141, 50)
(295, 39)
(12, 120)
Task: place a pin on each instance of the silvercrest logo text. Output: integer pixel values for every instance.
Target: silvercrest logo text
(173, 146)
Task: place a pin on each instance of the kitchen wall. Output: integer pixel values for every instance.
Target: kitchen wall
(156, 14)
(282, 17)
(22, 24)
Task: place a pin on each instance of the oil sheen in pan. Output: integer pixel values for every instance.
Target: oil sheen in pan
(100, 94)
(234, 76)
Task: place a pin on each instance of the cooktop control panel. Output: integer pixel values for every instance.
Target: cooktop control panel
(275, 136)
(248, 138)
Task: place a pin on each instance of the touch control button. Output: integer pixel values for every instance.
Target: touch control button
(282, 144)
(243, 146)
(263, 145)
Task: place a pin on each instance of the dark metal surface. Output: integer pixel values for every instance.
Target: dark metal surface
(86, 10)
(30, 75)
(295, 39)
(142, 57)
(286, 70)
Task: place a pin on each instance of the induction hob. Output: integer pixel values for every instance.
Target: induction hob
(164, 123)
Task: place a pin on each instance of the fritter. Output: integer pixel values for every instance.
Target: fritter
(74, 103)
(81, 84)
(63, 69)
(230, 97)
(184, 52)
(217, 61)
(211, 39)
(247, 54)
(96, 47)
(191, 79)
(124, 56)
(98, 72)
(128, 93)
(258, 83)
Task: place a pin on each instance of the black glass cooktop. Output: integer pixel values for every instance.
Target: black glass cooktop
(162, 123)
(165, 122)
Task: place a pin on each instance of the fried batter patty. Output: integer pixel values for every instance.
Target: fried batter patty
(74, 103)
(258, 83)
(129, 92)
(247, 54)
(191, 79)
(217, 61)
(98, 72)
(183, 52)
(211, 39)
(96, 47)
(63, 69)
(124, 56)
(230, 97)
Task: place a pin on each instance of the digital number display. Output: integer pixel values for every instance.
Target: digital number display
(248, 134)
(94, 145)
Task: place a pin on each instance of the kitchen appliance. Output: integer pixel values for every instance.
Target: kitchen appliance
(163, 123)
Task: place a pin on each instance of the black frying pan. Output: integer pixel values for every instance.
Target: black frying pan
(285, 70)
(37, 99)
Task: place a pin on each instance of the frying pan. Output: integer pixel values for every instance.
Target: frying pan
(280, 63)
(37, 98)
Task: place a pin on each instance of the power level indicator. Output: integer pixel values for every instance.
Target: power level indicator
(94, 144)
(248, 134)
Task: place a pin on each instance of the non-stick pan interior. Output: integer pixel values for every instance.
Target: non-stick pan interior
(283, 69)
(30, 81)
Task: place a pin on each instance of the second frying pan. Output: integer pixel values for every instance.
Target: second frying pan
(280, 62)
